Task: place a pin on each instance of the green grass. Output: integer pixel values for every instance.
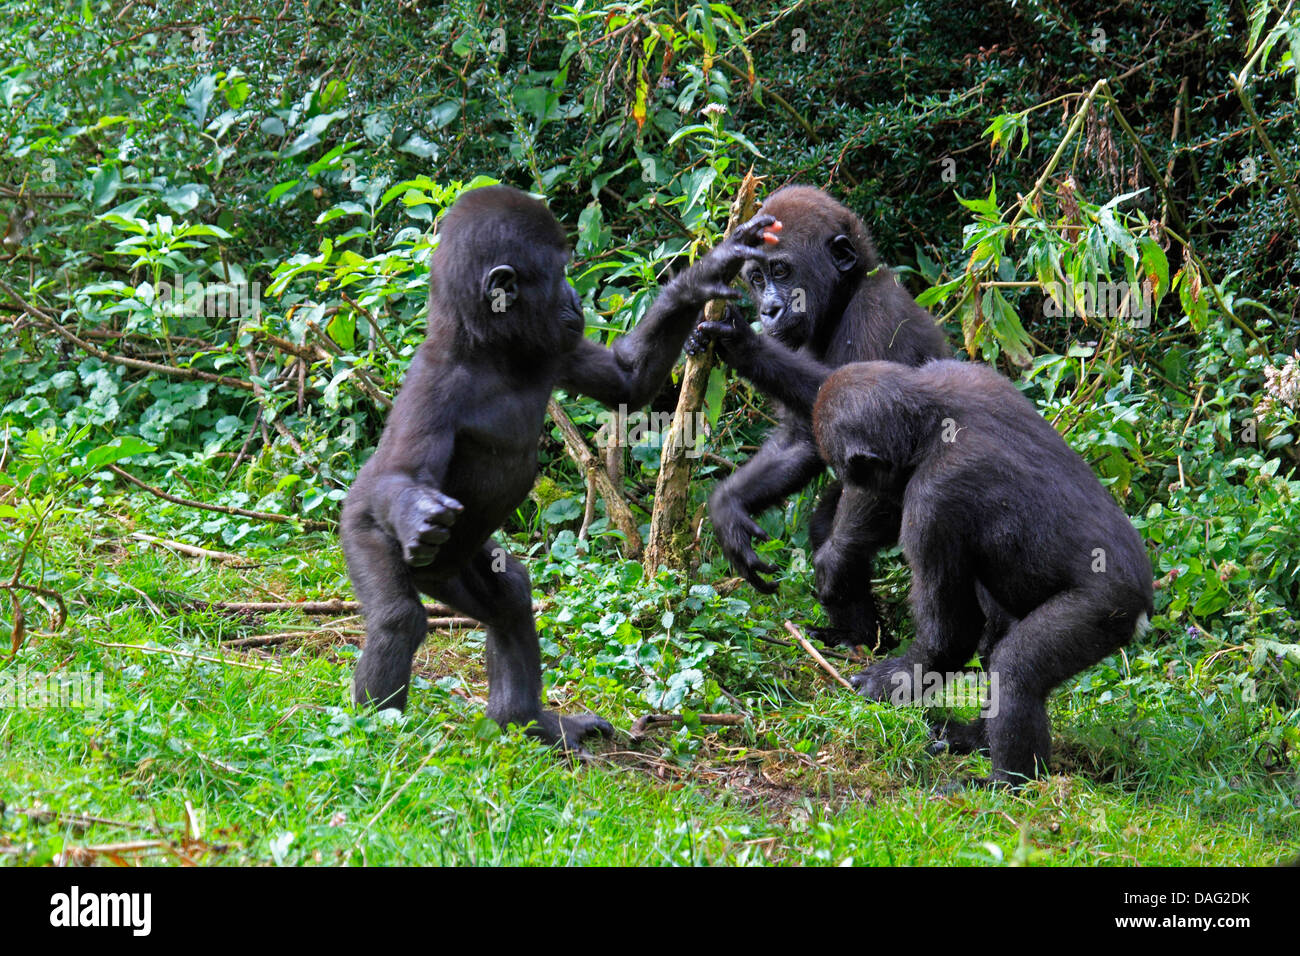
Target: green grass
(258, 758)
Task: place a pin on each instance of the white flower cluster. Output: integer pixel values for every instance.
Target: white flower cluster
(1282, 386)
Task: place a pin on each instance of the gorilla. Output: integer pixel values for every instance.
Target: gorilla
(1017, 551)
(824, 300)
(459, 451)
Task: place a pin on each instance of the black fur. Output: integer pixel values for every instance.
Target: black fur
(1016, 550)
(459, 452)
(824, 300)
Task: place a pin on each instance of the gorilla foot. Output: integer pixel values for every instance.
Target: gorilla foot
(889, 680)
(958, 737)
(566, 732)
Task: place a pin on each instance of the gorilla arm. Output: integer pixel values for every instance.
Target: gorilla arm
(791, 377)
(410, 466)
(634, 368)
(851, 534)
(786, 462)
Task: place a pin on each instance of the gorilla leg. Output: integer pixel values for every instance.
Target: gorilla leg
(495, 588)
(1057, 640)
(997, 621)
(854, 621)
(958, 736)
(396, 621)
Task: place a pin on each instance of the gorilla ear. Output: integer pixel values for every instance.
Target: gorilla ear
(864, 468)
(500, 288)
(843, 253)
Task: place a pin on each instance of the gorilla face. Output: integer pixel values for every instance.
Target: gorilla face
(806, 277)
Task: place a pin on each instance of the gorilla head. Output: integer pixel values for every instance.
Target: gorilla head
(825, 250)
(510, 248)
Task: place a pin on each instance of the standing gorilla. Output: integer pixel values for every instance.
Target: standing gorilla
(1016, 549)
(824, 300)
(459, 452)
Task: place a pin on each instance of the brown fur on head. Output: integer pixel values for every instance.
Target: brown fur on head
(824, 253)
(810, 214)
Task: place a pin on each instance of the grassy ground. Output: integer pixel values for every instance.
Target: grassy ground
(248, 755)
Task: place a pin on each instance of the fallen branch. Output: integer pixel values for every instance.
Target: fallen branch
(170, 371)
(219, 509)
(191, 550)
(812, 652)
(446, 622)
(332, 606)
(643, 725)
(283, 637)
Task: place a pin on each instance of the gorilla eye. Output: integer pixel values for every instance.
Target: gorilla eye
(780, 270)
(756, 279)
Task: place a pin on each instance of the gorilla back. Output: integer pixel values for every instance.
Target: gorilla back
(1016, 549)
(459, 452)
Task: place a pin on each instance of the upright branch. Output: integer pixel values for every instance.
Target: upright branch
(671, 535)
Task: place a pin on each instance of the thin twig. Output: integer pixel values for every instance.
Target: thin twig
(220, 509)
(187, 654)
(171, 371)
(643, 725)
(193, 551)
(812, 652)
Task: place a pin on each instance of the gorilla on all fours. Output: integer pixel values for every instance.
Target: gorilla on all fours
(824, 300)
(459, 451)
(1017, 551)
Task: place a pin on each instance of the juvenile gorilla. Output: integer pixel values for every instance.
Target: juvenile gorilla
(824, 300)
(1016, 549)
(459, 452)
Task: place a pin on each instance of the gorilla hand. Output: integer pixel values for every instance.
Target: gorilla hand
(735, 531)
(748, 241)
(422, 522)
(731, 337)
(711, 276)
(889, 680)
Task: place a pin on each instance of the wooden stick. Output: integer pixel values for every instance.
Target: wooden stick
(332, 606)
(649, 722)
(597, 476)
(671, 541)
(193, 551)
(812, 652)
(220, 509)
